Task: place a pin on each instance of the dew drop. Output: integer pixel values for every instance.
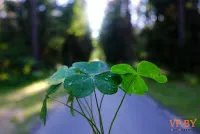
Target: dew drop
(70, 83)
(106, 78)
(109, 76)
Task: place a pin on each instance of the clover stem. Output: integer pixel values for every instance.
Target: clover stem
(101, 101)
(90, 108)
(92, 124)
(85, 108)
(78, 101)
(116, 113)
(99, 112)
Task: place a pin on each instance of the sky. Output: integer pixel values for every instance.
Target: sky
(95, 13)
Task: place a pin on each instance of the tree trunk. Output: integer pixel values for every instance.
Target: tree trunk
(181, 21)
(34, 30)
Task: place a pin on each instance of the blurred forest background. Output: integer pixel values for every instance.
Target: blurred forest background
(36, 36)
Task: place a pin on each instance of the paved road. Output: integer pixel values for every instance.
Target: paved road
(138, 115)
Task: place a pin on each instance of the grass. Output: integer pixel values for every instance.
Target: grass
(179, 97)
(19, 82)
(21, 100)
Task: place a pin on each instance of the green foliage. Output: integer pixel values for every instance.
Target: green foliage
(132, 82)
(83, 78)
(123, 69)
(107, 82)
(79, 23)
(59, 76)
(148, 69)
(79, 85)
(116, 34)
(91, 68)
(52, 89)
(43, 113)
(71, 101)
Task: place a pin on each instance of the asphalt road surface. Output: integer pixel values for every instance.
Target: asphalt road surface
(138, 115)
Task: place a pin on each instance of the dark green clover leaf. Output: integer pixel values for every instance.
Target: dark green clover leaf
(71, 101)
(107, 83)
(53, 89)
(43, 112)
(82, 85)
(91, 68)
(122, 69)
(79, 85)
(58, 76)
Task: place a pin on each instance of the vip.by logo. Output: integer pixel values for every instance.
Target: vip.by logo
(182, 125)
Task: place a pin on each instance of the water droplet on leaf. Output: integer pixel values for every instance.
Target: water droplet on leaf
(70, 83)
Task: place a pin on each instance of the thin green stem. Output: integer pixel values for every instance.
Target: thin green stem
(101, 101)
(99, 112)
(80, 106)
(85, 108)
(79, 103)
(91, 105)
(116, 113)
(77, 112)
(90, 108)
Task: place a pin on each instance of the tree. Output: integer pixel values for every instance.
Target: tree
(77, 45)
(170, 41)
(34, 30)
(116, 36)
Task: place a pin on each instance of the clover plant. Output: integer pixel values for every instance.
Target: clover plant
(82, 79)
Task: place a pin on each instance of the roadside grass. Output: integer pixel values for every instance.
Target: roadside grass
(31, 110)
(181, 98)
(21, 105)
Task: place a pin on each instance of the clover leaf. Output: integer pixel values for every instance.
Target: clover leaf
(122, 69)
(91, 68)
(150, 70)
(43, 112)
(132, 82)
(127, 83)
(58, 76)
(71, 101)
(161, 79)
(82, 85)
(53, 89)
(139, 86)
(79, 85)
(107, 83)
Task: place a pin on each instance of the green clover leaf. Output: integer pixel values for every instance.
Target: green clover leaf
(59, 76)
(91, 68)
(150, 70)
(123, 69)
(43, 112)
(132, 82)
(82, 85)
(71, 101)
(107, 83)
(79, 85)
